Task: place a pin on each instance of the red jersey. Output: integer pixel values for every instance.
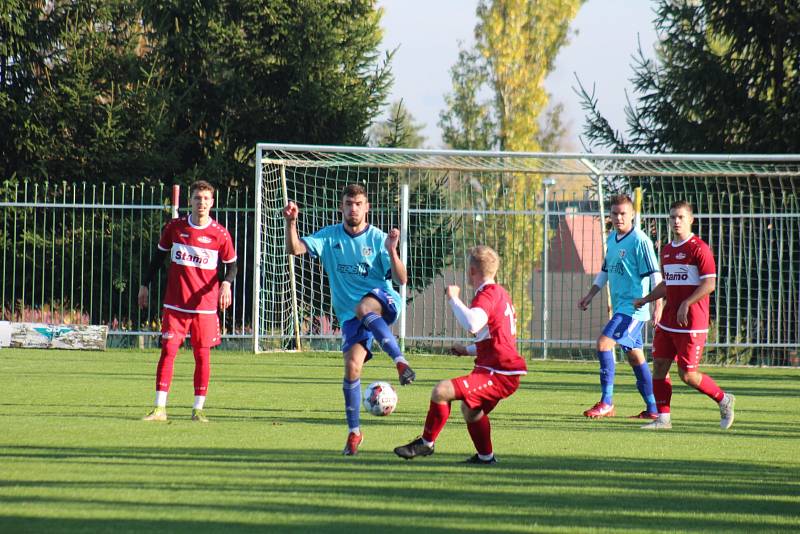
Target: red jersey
(195, 253)
(684, 265)
(496, 342)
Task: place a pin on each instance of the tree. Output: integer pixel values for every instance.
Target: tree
(80, 94)
(726, 80)
(145, 90)
(516, 44)
(283, 71)
(466, 123)
(400, 130)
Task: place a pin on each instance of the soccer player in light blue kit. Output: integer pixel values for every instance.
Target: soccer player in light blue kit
(361, 262)
(631, 270)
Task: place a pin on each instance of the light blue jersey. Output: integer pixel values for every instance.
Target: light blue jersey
(355, 264)
(629, 262)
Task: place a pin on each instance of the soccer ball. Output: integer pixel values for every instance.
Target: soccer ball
(380, 398)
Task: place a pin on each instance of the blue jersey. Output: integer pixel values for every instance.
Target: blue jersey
(355, 264)
(630, 260)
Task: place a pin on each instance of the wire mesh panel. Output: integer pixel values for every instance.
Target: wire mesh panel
(459, 199)
(75, 253)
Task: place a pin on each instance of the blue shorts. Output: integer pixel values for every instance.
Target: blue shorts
(625, 330)
(353, 331)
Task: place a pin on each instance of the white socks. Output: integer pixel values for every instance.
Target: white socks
(161, 399)
(199, 402)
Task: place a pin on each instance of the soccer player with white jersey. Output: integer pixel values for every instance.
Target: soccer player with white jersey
(361, 262)
(689, 278)
(498, 365)
(631, 270)
(201, 251)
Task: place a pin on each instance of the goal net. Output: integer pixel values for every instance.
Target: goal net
(549, 234)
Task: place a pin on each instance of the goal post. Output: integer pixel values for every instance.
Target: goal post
(446, 201)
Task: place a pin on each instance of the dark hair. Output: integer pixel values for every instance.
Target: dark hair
(682, 204)
(353, 190)
(201, 185)
(618, 200)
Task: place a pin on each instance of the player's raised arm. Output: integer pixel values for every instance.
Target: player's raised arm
(294, 245)
(399, 273)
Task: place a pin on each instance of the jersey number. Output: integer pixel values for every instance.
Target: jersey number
(512, 318)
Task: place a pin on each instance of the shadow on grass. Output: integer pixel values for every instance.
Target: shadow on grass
(320, 491)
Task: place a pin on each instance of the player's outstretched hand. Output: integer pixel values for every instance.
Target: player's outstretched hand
(225, 297)
(291, 211)
(143, 296)
(392, 239)
(452, 292)
(683, 314)
(638, 303)
(459, 350)
(583, 304)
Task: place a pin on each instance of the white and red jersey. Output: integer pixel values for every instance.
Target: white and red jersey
(195, 253)
(684, 265)
(496, 343)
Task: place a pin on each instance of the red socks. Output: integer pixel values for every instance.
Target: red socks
(662, 391)
(710, 388)
(202, 369)
(481, 433)
(165, 366)
(435, 421)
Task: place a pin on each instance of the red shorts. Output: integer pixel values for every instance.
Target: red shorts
(484, 389)
(684, 347)
(204, 328)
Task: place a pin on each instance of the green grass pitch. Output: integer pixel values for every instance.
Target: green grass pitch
(75, 456)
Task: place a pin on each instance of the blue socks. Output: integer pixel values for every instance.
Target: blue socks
(644, 383)
(352, 402)
(607, 372)
(383, 334)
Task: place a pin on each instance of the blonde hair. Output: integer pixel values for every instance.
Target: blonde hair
(485, 260)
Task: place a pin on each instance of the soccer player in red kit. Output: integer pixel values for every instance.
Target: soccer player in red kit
(689, 273)
(498, 365)
(201, 252)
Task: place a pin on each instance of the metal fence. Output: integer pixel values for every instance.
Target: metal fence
(75, 253)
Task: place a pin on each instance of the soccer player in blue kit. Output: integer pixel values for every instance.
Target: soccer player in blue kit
(361, 262)
(631, 270)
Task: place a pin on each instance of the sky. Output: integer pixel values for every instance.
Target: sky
(426, 34)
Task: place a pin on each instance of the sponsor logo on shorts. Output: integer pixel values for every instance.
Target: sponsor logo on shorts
(167, 335)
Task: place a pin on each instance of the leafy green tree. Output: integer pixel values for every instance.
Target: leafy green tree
(468, 123)
(244, 71)
(80, 95)
(121, 90)
(399, 130)
(726, 79)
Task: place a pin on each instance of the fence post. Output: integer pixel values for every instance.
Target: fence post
(404, 259)
(257, 230)
(546, 183)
